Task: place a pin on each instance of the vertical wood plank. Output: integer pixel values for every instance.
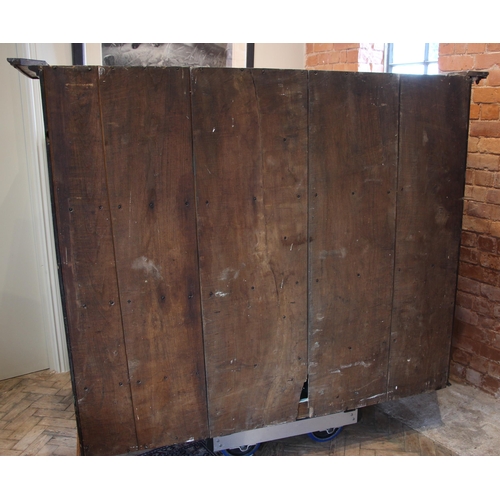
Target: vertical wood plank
(250, 143)
(433, 149)
(86, 259)
(353, 164)
(147, 128)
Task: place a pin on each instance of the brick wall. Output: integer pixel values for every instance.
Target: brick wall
(476, 341)
(345, 56)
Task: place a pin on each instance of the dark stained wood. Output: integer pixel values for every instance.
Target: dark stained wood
(147, 130)
(341, 273)
(433, 148)
(352, 162)
(250, 143)
(87, 263)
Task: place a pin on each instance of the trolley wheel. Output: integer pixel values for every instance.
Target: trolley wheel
(242, 451)
(325, 435)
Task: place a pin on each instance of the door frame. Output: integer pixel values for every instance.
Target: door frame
(41, 212)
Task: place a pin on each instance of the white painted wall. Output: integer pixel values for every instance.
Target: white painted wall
(31, 336)
(280, 55)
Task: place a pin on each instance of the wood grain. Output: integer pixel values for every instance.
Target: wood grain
(353, 158)
(87, 262)
(147, 130)
(250, 143)
(433, 149)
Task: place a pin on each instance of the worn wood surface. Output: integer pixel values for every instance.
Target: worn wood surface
(250, 143)
(87, 261)
(432, 154)
(298, 242)
(147, 131)
(353, 158)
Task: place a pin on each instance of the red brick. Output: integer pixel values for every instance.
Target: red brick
(490, 352)
(344, 46)
(352, 56)
(479, 193)
(481, 274)
(485, 129)
(491, 385)
(472, 145)
(493, 196)
(456, 63)
(346, 67)
(487, 95)
(460, 356)
(469, 176)
(493, 78)
(489, 145)
(468, 239)
(464, 330)
(474, 111)
(309, 48)
(492, 337)
(479, 364)
(483, 161)
(485, 61)
(484, 178)
(496, 311)
(476, 225)
(483, 306)
(312, 61)
(322, 47)
(489, 111)
(490, 324)
(468, 285)
(331, 57)
(465, 300)
(446, 49)
(494, 212)
(465, 315)
(468, 189)
(490, 261)
(493, 47)
(467, 345)
(494, 369)
(460, 48)
(469, 255)
(475, 48)
(490, 292)
(487, 244)
(476, 209)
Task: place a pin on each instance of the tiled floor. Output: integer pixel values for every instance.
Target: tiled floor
(37, 418)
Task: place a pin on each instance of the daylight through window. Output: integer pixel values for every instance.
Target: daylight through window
(413, 58)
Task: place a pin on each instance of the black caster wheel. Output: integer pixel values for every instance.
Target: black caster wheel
(325, 435)
(242, 451)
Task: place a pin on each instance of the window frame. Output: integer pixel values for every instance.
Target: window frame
(425, 62)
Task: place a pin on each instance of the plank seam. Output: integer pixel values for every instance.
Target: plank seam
(193, 163)
(395, 239)
(98, 71)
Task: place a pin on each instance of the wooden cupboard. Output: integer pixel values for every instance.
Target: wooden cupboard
(228, 238)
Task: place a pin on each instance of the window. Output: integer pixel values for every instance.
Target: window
(413, 58)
